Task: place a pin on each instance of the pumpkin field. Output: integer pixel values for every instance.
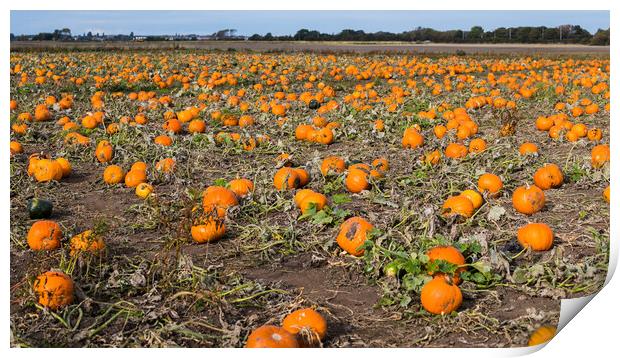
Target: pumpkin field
(194, 198)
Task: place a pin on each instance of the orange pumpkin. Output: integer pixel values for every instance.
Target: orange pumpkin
(44, 235)
(271, 337)
(528, 200)
(208, 230)
(490, 183)
(456, 151)
(54, 289)
(86, 242)
(600, 155)
(450, 254)
(104, 151)
(357, 180)
(353, 233)
(542, 335)
(528, 148)
(537, 236)
(441, 296)
(458, 205)
(308, 325)
(113, 174)
(331, 165)
(241, 187)
(216, 200)
(316, 200)
(549, 176)
(286, 178)
(412, 138)
(135, 177)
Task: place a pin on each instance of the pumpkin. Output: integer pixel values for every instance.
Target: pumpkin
(241, 187)
(477, 145)
(537, 236)
(381, 164)
(542, 335)
(208, 230)
(217, 200)
(600, 155)
(595, 134)
(353, 233)
(39, 208)
(113, 174)
(16, 148)
(324, 136)
(456, 151)
(528, 200)
(300, 195)
(163, 140)
(65, 166)
(528, 148)
(308, 325)
(139, 166)
(544, 123)
(44, 235)
(357, 180)
(314, 104)
(412, 138)
(104, 151)
(432, 158)
(197, 126)
(172, 125)
(47, 170)
(549, 176)
(86, 242)
(606, 194)
(332, 165)
(441, 296)
(143, 190)
(304, 177)
(302, 132)
(165, 165)
(458, 205)
(54, 289)
(440, 131)
(286, 178)
(269, 336)
(450, 254)
(473, 196)
(316, 200)
(135, 177)
(490, 183)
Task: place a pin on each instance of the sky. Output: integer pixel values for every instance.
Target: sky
(288, 22)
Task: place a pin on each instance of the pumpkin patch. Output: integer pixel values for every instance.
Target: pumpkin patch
(196, 198)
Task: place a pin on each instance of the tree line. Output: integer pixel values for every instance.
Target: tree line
(572, 34)
(569, 34)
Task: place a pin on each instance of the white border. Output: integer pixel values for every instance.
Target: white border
(592, 331)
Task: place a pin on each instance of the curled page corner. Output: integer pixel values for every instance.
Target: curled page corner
(570, 307)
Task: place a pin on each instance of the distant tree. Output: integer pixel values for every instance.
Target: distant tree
(268, 37)
(476, 34)
(255, 37)
(600, 38)
(131, 34)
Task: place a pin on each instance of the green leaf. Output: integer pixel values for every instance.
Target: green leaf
(341, 199)
(221, 182)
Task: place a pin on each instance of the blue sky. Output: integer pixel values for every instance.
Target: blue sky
(288, 22)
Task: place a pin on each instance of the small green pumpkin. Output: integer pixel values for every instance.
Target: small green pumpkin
(39, 208)
(314, 104)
